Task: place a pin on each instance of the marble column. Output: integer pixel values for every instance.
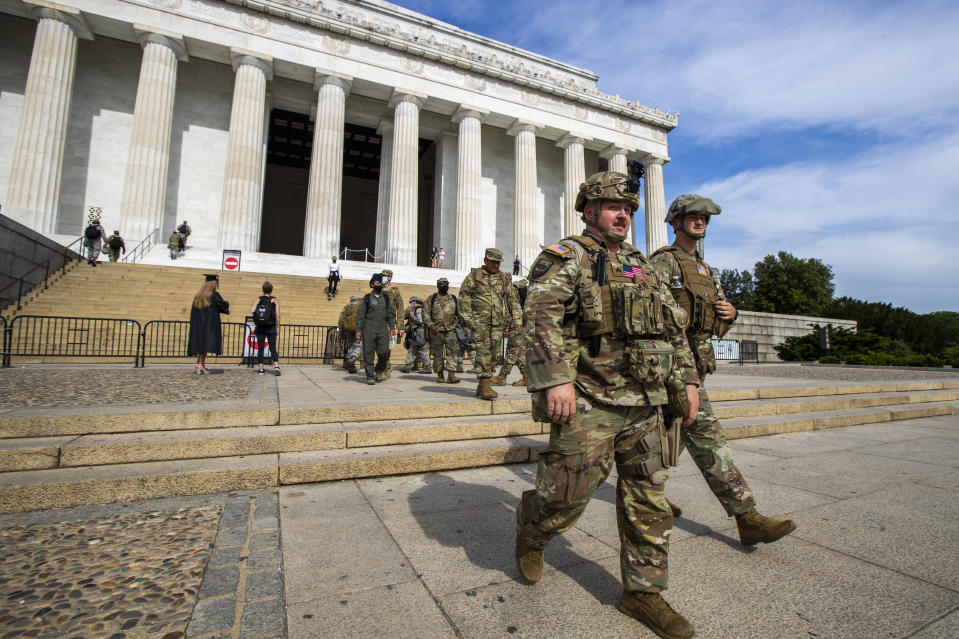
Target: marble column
(33, 191)
(655, 200)
(574, 163)
(615, 157)
(527, 234)
(243, 178)
(401, 236)
(385, 129)
(321, 235)
(469, 197)
(144, 187)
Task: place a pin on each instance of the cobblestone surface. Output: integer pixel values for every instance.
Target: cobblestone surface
(837, 373)
(98, 386)
(199, 567)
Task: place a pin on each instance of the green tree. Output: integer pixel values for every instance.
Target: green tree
(738, 287)
(791, 285)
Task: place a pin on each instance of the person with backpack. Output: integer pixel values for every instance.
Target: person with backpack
(375, 323)
(116, 245)
(266, 322)
(93, 237)
(183, 233)
(352, 347)
(417, 343)
(442, 319)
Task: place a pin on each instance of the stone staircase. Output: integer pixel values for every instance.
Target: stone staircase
(146, 292)
(59, 458)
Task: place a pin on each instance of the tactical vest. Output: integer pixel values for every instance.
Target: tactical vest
(697, 294)
(630, 301)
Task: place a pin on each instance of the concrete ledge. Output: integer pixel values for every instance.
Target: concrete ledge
(371, 435)
(373, 412)
(62, 488)
(300, 468)
(127, 422)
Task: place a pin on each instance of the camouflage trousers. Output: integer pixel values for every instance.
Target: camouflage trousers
(515, 352)
(578, 459)
(489, 344)
(114, 255)
(352, 350)
(421, 353)
(93, 249)
(376, 344)
(445, 349)
(706, 442)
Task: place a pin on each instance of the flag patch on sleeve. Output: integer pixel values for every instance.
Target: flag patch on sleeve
(702, 270)
(558, 249)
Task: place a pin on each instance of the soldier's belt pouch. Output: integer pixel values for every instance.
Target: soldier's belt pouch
(647, 467)
(592, 317)
(650, 360)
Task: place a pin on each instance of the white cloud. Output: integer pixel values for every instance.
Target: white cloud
(886, 220)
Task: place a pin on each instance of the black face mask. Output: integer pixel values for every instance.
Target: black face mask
(443, 289)
(377, 289)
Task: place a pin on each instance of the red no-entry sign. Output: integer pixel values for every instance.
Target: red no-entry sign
(231, 260)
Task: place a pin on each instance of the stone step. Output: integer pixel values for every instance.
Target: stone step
(61, 487)
(792, 405)
(93, 450)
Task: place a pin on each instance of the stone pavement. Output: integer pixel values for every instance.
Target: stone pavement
(430, 555)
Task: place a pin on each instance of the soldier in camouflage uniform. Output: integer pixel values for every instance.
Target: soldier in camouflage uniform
(515, 345)
(396, 297)
(375, 324)
(353, 348)
(417, 334)
(605, 340)
(489, 307)
(441, 320)
(696, 288)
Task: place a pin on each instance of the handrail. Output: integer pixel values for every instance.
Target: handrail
(64, 255)
(152, 238)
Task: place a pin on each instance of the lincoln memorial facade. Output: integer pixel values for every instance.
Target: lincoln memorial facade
(303, 127)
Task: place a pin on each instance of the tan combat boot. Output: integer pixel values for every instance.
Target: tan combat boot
(529, 561)
(754, 528)
(651, 609)
(521, 381)
(484, 391)
(500, 380)
(439, 378)
(451, 378)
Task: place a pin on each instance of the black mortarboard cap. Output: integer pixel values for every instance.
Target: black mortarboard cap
(211, 277)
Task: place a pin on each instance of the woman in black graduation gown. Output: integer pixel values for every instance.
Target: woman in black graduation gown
(205, 333)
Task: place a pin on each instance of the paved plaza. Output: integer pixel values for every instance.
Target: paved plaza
(430, 555)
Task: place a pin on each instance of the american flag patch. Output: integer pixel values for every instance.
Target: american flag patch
(702, 270)
(634, 271)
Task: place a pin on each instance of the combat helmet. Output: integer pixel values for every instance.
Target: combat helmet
(692, 203)
(607, 185)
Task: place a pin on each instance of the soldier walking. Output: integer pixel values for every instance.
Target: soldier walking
(352, 347)
(375, 324)
(606, 341)
(93, 237)
(515, 345)
(116, 245)
(418, 350)
(396, 298)
(489, 307)
(442, 321)
(695, 286)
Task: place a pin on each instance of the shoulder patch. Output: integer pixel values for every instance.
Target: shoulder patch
(558, 249)
(541, 267)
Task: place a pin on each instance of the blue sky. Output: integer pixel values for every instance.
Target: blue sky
(824, 129)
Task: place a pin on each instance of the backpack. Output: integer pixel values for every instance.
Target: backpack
(115, 243)
(348, 323)
(456, 307)
(92, 232)
(265, 313)
(181, 228)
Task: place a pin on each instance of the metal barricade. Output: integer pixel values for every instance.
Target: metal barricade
(5, 344)
(87, 337)
(731, 350)
(167, 339)
(748, 351)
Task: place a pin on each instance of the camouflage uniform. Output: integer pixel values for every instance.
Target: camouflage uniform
(353, 348)
(93, 244)
(440, 312)
(620, 392)
(516, 342)
(489, 301)
(115, 252)
(418, 335)
(394, 295)
(705, 439)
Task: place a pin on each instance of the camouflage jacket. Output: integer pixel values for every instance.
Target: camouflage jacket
(440, 311)
(637, 326)
(695, 286)
(397, 298)
(489, 298)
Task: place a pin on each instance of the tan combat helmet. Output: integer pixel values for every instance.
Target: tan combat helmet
(692, 203)
(608, 185)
